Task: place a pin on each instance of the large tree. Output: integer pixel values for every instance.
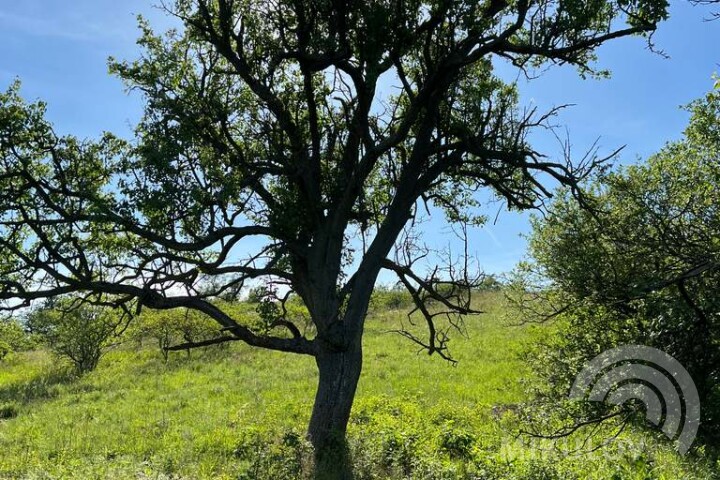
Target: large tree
(316, 129)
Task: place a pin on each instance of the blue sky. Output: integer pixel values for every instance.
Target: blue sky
(59, 50)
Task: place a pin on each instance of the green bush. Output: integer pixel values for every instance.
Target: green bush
(264, 455)
(5, 349)
(390, 298)
(270, 310)
(14, 338)
(456, 442)
(398, 451)
(642, 267)
(80, 333)
(167, 328)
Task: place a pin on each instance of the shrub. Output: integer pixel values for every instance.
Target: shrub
(641, 267)
(456, 442)
(257, 294)
(398, 450)
(390, 298)
(79, 333)
(173, 327)
(14, 338)
(5, 349)
(264, 455)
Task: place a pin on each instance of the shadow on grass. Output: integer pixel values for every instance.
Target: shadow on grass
(40, 387)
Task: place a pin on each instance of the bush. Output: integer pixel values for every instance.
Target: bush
(263, 455)
(270, 310)
(398, 450)
(80, 333)
(172, 327)
(13, 338)
(257, 294)
(641, 268)
(5, 349)
(456, 442)
(390, 298)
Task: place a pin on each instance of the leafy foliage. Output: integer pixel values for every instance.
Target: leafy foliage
(14, 338)
(390, 298)
(267, 153)
(79, 333)
(173, 327)
(260, 125)
(642, 269)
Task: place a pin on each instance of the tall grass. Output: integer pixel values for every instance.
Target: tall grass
(241, 413)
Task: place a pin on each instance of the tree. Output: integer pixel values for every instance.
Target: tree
(168, 328)
(75, 331)
(642, 269)
(266, 121)
(13, 338)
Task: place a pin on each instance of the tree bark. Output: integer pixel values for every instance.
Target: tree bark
(339, 375)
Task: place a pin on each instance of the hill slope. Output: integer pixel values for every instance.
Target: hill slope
(240, 413)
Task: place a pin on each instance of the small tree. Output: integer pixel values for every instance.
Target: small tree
(155, 326)
(79, 333)
(313, 130)
(170, 328)
(13, 338)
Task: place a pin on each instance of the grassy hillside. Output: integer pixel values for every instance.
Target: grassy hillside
(240, 413)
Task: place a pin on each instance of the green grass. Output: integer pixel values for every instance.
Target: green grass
(241, 412)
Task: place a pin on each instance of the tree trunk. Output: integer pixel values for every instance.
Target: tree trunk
(339, 375)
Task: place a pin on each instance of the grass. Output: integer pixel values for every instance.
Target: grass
(240, 413)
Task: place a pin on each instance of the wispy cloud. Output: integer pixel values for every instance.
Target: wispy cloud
(65, 27)
(492, 236)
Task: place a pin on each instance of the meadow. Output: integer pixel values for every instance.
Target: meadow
(235, 412)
